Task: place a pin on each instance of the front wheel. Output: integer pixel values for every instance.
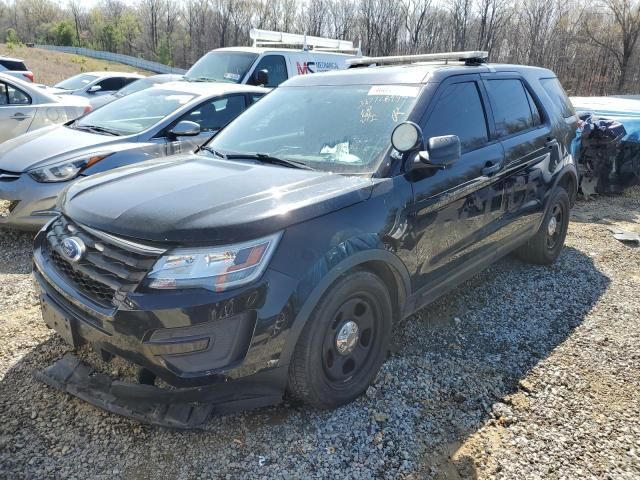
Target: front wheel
(545, 246)
(344, 342)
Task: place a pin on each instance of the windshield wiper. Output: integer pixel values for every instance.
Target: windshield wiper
(266, 158)
(96, 128)
(215, 153)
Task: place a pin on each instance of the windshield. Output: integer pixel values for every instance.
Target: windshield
(136, 112)
(343, 129)
(221, 67)
(74, 83)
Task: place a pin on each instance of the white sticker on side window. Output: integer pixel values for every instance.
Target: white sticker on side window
(394, 90)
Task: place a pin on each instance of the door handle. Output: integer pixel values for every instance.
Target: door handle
(491, 168)
(20, 116)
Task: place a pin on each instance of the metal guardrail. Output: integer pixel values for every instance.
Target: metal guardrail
(116, 57)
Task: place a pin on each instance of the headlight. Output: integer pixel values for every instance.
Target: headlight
(62, 172)
(214, 268)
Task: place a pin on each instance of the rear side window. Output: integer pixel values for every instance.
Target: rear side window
(13, 65)
(276, 68)
(459, 111)
(559, 97)
(511, 107)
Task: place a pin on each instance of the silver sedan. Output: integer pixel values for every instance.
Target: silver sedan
(24, 107)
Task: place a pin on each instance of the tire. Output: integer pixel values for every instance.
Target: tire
(329, 369)
(545, 246)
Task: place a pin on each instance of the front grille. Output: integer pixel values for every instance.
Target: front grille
(107, 270)
(6, 176)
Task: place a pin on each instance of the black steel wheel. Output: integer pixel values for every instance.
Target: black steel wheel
(343, 343)
(545, 246)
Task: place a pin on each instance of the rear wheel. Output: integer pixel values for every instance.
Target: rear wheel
(545, 246)
(344, 342)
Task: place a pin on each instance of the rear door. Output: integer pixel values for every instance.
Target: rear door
(525, 134)
(457, 210)
(16, 111)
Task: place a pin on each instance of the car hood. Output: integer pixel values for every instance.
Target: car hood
(199, 200)
(51, 145)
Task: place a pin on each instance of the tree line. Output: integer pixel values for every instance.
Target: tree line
(592, 46)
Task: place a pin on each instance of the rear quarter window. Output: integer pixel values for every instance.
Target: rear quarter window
(511, 106)
(13, 65)
(558, 96)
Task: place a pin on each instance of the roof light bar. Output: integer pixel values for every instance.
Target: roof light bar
(268, 37)
(475, 56)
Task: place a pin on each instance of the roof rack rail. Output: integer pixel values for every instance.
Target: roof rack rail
(271, 38)
(469, 58)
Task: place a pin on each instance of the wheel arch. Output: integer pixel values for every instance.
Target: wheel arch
(383, 263)
(568, 179)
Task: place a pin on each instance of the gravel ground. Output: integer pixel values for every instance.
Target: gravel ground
(522, 372)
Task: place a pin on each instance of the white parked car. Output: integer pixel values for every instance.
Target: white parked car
(267, 63)
(25, 107)
(93, 84)
(16, 68)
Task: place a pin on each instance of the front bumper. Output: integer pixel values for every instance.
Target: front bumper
(179, 408)
(187, 338)
(33, 202)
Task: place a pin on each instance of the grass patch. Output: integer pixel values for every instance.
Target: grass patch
(51, 67)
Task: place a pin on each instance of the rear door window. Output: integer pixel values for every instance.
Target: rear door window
(459, 111)
(13, 65)
(276, 68)
(511, 108)
(559, 97)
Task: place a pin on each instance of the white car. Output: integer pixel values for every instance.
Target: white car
(24, 107)
(94, 84)
(16, 68)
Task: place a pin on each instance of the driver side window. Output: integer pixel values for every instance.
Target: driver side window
(216, 113)
(10, 95)
(459, 111)
(276, 68)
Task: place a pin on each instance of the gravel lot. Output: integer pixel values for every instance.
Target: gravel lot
(522, 372)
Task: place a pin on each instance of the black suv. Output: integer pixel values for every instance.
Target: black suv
(278, 257)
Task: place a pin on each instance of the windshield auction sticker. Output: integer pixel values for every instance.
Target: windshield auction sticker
(394, 90)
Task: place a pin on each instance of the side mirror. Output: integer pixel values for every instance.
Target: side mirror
(406, 137)
(94, 89)
(261, 77)
(441, 152)
(185, 128)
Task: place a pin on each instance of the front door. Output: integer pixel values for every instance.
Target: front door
(16, 111)
(457, 210)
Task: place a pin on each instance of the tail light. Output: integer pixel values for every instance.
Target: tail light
(29, 76)
(87, 109)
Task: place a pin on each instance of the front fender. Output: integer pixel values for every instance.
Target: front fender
(340, 259)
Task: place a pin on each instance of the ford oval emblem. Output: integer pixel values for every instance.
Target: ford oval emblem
(72, 248)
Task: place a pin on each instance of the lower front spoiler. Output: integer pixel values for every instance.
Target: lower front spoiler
(179, 408)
